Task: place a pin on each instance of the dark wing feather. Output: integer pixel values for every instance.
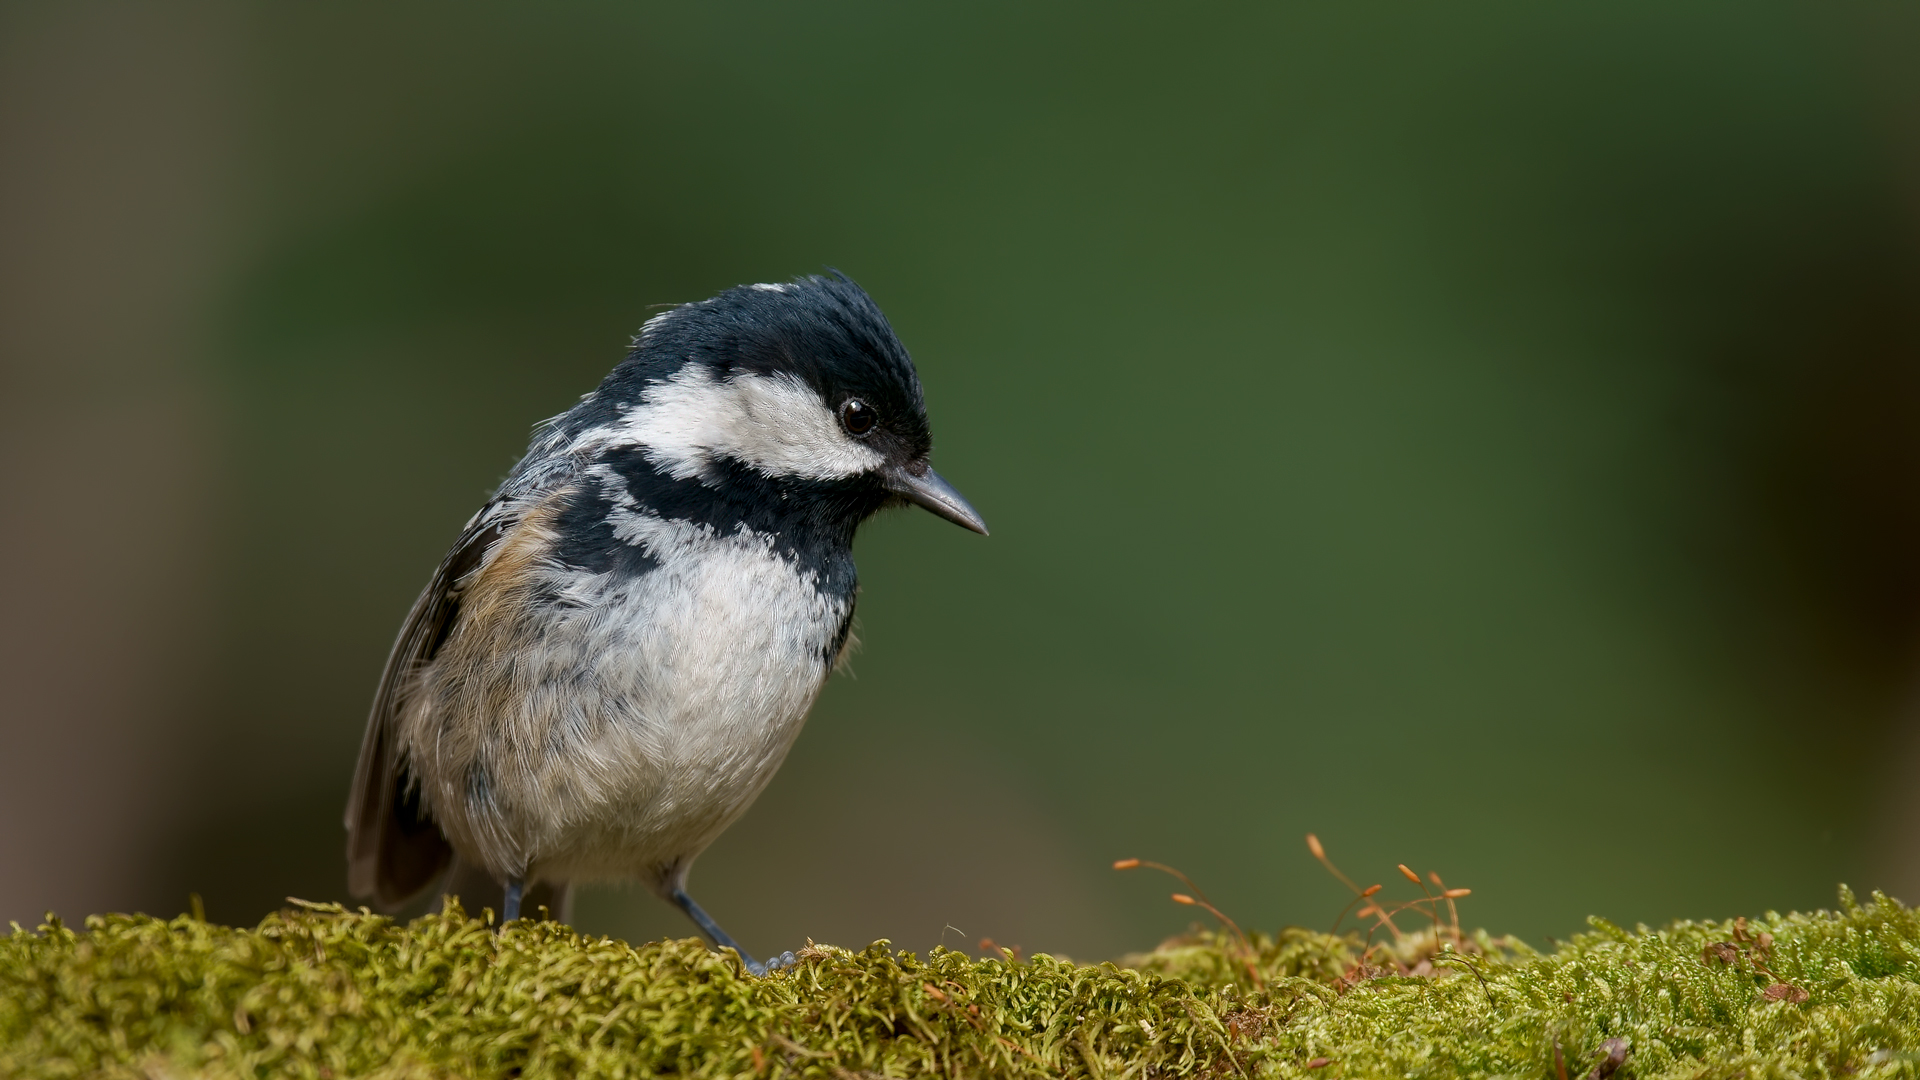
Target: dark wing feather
(394, 850)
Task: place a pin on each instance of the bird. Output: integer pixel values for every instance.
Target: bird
(618, 651)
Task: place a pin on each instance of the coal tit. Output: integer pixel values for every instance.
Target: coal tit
(617, 653)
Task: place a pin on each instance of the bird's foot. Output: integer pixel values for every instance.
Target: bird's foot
(773, 963)
(721, 939)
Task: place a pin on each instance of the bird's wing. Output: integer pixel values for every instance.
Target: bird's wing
(394, 849)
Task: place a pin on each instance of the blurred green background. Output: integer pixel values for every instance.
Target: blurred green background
(1486, 435)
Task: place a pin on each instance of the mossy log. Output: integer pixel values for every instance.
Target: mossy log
(323, 992)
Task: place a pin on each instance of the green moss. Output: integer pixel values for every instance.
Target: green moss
(322, 992)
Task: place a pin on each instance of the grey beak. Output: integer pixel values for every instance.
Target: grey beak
(934, 493)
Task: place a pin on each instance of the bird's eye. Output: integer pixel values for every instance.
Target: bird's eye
(857, 417)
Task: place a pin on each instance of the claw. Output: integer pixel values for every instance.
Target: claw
(774, 963)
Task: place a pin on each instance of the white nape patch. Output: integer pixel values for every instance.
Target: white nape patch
(765, 287)
(648, 327)
(775, 424)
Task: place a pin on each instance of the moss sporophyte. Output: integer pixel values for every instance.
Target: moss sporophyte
(319, 991)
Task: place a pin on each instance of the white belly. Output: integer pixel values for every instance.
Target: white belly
(640, 716)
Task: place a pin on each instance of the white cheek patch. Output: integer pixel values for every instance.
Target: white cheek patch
(775, 424)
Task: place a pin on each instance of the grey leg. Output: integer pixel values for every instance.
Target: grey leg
(720, 938)
(476, 888)
(510, 907)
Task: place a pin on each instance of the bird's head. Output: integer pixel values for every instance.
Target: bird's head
(802, 384)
